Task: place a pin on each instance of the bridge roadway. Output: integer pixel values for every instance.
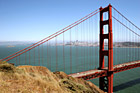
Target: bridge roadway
(91, 74)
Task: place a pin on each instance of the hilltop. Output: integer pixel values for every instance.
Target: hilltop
(37, 79)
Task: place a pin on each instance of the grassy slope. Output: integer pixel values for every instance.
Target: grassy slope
(36, 79)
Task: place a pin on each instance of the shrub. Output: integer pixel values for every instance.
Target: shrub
(6, 67)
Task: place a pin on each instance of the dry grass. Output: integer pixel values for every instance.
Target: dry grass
(36, 79)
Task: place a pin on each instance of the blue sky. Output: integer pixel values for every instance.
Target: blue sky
(33, 20)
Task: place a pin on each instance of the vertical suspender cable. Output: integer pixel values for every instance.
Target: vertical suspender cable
(81, 61)
(16, 60)
(38, 56)
(19, 60)
(118, 29)
(81, 47)
(70, 54)
(90, 43)
(77, 52)
(56, 53)
(50, 53)
(94, 48)
(83, 56)
(134, 45)
(129, 45)
(34, 56)
(48, 57)
(87, 42)
(64, 51)
(29, 57)
(42, 55)
(25, 58)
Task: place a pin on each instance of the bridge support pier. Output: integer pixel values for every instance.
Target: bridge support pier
(106, 84)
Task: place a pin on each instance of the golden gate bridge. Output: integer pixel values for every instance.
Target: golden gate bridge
(85, 48)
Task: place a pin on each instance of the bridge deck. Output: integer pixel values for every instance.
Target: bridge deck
(91, 74)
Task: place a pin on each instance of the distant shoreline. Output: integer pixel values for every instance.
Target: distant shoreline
(125, 47)
(10, 46)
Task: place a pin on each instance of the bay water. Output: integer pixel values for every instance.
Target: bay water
(81, 58)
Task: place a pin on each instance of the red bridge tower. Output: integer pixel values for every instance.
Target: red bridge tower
(106, 83)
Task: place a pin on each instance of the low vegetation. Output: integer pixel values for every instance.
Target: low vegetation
(37, 79)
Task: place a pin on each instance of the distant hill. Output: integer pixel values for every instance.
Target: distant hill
(127, 44)
(13, 43)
